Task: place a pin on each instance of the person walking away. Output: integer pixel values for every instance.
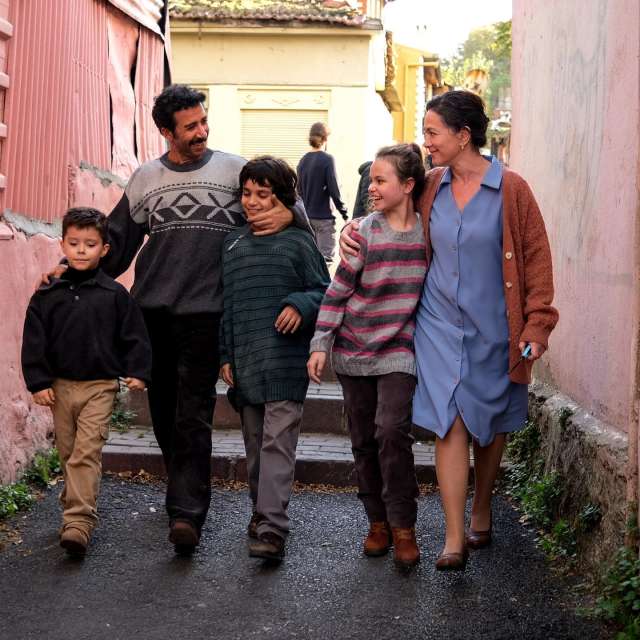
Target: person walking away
(81, 333)
(273, 287)
(363, 205)
(368, 315)
(183, 204)
(317, 184)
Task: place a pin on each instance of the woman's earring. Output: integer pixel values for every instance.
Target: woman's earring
(461, 146)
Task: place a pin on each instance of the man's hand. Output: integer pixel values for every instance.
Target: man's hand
(44, 398)
(134, 384)
(288, 320)
(316, 365)
(347, 245)
(536, 349)
(227, 374)
(55, 272)
(273, 221)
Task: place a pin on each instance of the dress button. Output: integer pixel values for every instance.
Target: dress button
(453, 299)
(459, 320)
(455, 247)
(457, 223)
(455, 380)
(457, 359)
(508, 255)
(508, 285)
(455, 273)
(77, 297)
(460, 335)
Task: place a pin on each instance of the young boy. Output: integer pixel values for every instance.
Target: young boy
(81, 333)
(272, 289)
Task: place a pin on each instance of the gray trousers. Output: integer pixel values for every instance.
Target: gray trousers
(270, 434)
(325, 230)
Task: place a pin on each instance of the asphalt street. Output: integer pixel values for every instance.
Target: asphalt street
(131, 585)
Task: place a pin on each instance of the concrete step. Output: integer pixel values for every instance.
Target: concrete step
(324, 411)
(320, 459)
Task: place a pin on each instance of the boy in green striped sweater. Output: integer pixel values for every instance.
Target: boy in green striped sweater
(272, 289)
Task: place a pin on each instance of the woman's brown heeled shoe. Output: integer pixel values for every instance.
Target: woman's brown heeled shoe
(479, 539)
(453, 561)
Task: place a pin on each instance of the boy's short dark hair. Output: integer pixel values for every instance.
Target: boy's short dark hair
(268, 171)
(175, 97)
(84, 218)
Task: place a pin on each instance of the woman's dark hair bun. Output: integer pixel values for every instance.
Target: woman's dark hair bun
(462, 110)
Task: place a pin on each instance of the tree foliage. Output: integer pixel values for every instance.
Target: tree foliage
(487, 48)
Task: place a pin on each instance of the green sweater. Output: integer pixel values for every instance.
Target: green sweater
(261, 276)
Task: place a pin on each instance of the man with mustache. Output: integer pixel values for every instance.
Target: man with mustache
(184, 203)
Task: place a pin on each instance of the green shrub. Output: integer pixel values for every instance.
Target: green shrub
(42, 467)
(589, 517)
(14, 497)
(121, 420)
(620, 602)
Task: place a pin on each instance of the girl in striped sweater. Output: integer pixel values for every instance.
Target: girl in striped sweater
(368, 316)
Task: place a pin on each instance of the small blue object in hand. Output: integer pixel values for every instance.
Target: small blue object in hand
(525, 354)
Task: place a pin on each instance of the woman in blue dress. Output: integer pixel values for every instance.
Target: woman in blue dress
(487, 297)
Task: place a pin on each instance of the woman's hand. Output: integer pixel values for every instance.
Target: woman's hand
(135, 384)
(536, 349)
(272, 221)
(347, 245)
(44, 398)
(56, 272)
(288, 320)
(316, 365)
(227, 375)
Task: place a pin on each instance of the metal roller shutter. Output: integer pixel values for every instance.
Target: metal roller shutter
(283, 133)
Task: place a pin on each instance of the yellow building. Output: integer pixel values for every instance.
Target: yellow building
(271, 69)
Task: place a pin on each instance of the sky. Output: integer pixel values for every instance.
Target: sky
(447, 22)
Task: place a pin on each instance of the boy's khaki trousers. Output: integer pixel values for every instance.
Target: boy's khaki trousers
(81, 415)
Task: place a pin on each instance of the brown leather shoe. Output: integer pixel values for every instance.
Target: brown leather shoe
(252, 527)
(453, 561)
(268, 546)
(184, 537)
(378, 539)
(406, 552)
(74, 541)
(479, 539)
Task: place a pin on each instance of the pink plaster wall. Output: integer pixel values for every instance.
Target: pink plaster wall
(575, 90)
(87, 51)
(24, 426)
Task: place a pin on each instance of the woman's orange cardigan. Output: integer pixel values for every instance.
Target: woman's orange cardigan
(526, 265)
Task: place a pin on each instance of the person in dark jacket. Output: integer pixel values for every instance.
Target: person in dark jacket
(273, 287)
(317, 184)
(81, 333)
(361, 207)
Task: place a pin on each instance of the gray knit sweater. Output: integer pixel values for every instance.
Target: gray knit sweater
(187, 211)
(368, 310)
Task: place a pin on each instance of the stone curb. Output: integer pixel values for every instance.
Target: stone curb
(322, 468)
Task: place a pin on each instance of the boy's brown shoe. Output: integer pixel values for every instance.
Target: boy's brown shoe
(74, 541)
(378, 539)
(268, 546)
(252, 527)
(406, 552)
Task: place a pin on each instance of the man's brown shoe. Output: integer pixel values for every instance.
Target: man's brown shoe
(378, 539)
(184, 537)
(252, 527)
(74, 541)
(406, 552)
(268, 546)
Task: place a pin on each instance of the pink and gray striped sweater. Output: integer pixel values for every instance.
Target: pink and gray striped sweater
(368, 311)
